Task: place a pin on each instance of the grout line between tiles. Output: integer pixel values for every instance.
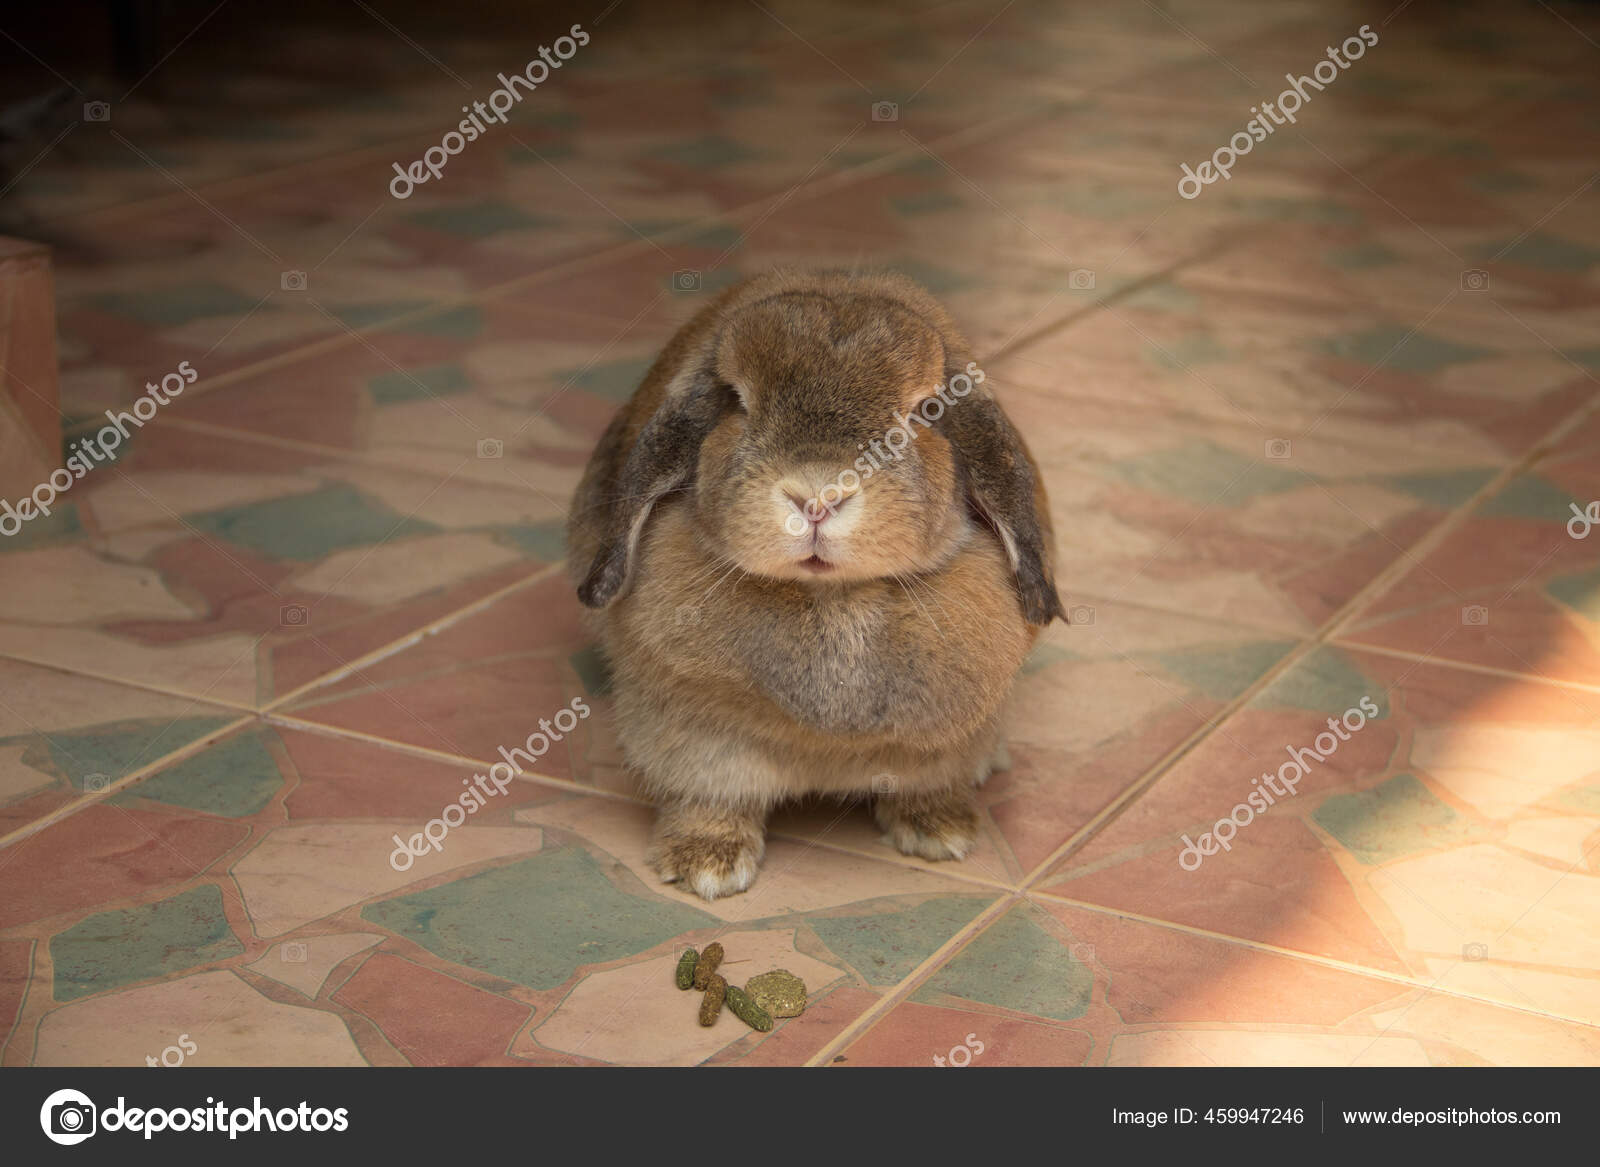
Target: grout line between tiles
(1463, 666)
(126, 683)
(83, 801)
(880, 1008)
(416, 636)
(1306, 957)
(319, 729)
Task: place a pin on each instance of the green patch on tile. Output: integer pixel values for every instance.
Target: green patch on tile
(479, 220)
(708, 152)
(1223, 671)
(401, 386)
(1326, 682)
(919, 164)
(535, 922)
(1401, 817)
(884, 947)
(58, 526)
(1583, 799)
(1529, 496)
(545, 541)
(1444, 490)
(613, 380)
(1375, 84)
(925, 203)
(1546, 252)
(1360, 257)
(1501, 182)
(463, 323)
(938, 280)
(1579, 592)
(112, 949)
(177, 305)
(1044, 655)
(309, 526)
(1207, 474)
(234, 778)
(720, 238)
(1589, 358)
(525, 154)
(593, 671)
(96, 755)
(1099, 200)
(1289, 210)
(1186, 352)
(359, 316)
(1163, 296)
(1015, 964)
(1401, 350)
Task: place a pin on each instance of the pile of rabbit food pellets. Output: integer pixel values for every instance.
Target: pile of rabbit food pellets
(778, 993)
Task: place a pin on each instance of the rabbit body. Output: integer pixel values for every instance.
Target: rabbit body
(864, 647)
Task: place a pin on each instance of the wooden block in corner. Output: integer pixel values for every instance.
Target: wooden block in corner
(30, 394)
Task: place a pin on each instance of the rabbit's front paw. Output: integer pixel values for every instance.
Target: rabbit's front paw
(940, 826)
(714, 858)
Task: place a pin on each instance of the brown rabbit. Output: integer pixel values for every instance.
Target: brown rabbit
(820, 552)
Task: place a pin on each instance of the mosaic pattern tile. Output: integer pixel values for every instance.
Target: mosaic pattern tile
(1324, 432)
(1449, 836)
(1122, 992)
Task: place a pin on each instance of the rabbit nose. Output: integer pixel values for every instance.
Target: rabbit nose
(813, 508)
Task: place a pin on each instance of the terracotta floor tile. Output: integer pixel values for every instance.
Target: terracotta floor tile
(1054, 985)
(1451, 836)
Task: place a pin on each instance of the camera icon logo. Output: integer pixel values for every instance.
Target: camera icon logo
(1080, 614)
(1475, 280)
(1080, 279)
(67, 1117)
(293, 281)
(1475, 616)
(97, 111)
(293, 615)
(292, 952)
(1277, 449)
(1474, 952)
(885, 111)
(95, 783)
(686, 615)
(885, 783)
(491, 448)
(1082, 952)
(686, 281)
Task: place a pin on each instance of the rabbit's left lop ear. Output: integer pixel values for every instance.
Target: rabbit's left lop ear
(999, 478)
(662, 459)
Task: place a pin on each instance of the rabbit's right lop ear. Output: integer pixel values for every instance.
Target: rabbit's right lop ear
(662, 459)
(1000, 482)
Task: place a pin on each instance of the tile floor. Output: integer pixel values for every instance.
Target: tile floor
(1298, 459)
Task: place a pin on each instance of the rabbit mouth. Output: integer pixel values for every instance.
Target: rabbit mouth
(816, 564)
